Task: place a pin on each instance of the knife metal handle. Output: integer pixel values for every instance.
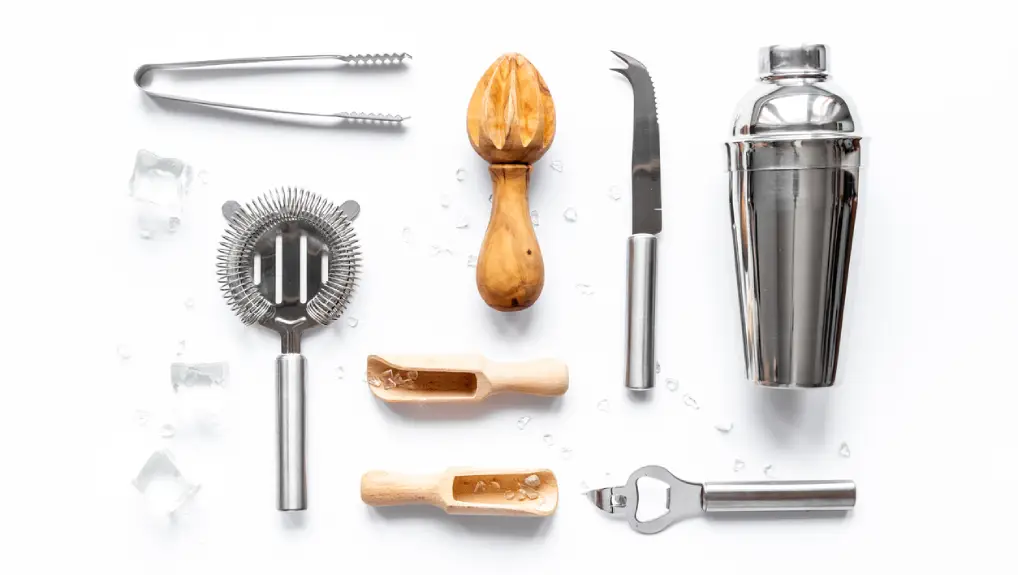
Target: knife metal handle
(640, 294)
(778, 496)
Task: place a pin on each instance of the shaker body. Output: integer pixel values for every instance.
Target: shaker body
(792, 236)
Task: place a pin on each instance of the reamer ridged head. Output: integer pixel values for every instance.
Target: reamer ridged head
(250, 226)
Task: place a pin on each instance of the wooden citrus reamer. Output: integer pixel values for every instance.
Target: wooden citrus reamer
(511, 124)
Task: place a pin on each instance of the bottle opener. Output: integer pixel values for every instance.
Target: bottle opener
(686, 499)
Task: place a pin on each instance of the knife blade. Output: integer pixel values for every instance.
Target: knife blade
(646, 148)
(642, 249)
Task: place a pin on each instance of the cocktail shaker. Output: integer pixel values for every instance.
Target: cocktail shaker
(794, 162)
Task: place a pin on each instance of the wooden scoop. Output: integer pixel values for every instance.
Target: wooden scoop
(461, 378)
(511, 124)
(464, 491)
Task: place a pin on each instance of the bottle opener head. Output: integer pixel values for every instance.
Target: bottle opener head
(683, 499)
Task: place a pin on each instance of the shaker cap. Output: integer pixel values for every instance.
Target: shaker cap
(794, 116)
(808, 59)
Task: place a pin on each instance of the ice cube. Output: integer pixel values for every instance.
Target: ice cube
(522, 422)
(509, 494)
(461, 175)
(614, 193)
(535, 218)
(603, 405)
(352, 321)
(690, 402)
(184, 375)
(739, 465)
(159, 187)
(549, 439)
(557, 165)
(412, 375)
(471, 261)
(479, 487)
(724, 426)
(532, 481)
(566, 452)
(462, 223)
(844, 450)
(569, 214)
(163, 486)
(495, 485)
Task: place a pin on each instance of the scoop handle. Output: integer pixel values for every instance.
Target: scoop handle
(384, 489)
(545, 377)
(290, 429)
(739, 496)
(510, 268)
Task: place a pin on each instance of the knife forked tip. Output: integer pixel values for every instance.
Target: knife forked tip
(628, 59)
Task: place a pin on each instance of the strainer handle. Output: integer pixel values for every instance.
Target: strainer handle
(290, 428)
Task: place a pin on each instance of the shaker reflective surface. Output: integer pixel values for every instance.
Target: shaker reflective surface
(794, 161)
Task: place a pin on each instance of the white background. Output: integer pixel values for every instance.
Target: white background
(925, 390)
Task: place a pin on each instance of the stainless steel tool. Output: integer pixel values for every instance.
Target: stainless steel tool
(642, 252)
(288, 261)
(794, 164)
(686, 499)
(361, 60)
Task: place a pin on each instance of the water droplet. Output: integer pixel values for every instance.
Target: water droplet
(768, 470)
(471, 261)
(724, 426)
(844, 451)
(461, 175)
(672, 384)
(690, 401)
(548, 439)
(437, 250)
(532, 481)
(352, 321)
(203, 177)
(173, 224)
(567, 452)
(408, 236)
(535, 218)
(615, 193)
(509, 494)
(124, 351)
(557, 165)
(462, 223)
(181, 347)
(189, 303)
(569, 214)
(167, 430)
(585, 289)
(657, 367)
(142, 416)
(489, 198)
(340, 372)
(603, 405)
(522, 422)
(445, 200)
(739, 465)
(145, 234)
